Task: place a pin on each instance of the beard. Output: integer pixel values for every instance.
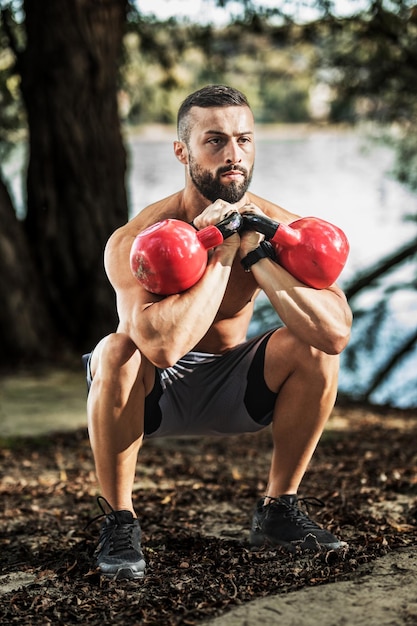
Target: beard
(211, 187)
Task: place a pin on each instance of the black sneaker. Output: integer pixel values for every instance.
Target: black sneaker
(282, 522)
(119, 553)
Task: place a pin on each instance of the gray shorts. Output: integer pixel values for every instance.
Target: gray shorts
(210, 394)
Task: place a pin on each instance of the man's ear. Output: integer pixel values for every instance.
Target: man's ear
(181, 152)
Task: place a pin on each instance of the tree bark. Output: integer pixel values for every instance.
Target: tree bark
(76, 173)
(24, 320)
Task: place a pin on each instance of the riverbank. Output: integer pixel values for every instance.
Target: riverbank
(35, 404)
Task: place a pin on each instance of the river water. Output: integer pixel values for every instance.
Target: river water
(342, 177)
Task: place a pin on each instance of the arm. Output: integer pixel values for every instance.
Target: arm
(319, 317)
(166, 328)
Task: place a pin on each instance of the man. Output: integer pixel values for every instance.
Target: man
(181, 365)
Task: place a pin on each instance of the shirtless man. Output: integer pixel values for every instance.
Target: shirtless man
(181, 364)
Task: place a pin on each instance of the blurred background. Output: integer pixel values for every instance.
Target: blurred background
(89, 92)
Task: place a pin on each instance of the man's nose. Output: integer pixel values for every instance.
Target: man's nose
(232, 153)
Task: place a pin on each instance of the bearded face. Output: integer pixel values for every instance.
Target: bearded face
(211, 185)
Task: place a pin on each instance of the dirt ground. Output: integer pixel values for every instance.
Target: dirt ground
(195, 500)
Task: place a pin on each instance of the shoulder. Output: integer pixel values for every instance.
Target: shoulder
(170, 207)
(273, 210)
(117, 250)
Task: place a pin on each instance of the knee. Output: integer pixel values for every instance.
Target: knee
(320, 368)
(296, 355)
(113, 352)
(321, 362)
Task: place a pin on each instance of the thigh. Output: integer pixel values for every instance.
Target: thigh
(285, 354)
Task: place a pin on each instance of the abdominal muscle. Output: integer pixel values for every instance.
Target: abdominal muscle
(230, 326)
(226, 332)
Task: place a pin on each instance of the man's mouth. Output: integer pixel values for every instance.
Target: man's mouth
(233, 173)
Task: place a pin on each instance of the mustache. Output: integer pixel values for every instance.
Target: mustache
(232, 168)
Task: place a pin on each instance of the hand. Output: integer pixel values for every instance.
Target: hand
(214, 213)
(250, 207)
(250, 239)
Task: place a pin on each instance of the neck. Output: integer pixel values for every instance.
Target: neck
(194, 203)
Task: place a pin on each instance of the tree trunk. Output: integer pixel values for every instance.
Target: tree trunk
(76, 174)
(24, 321)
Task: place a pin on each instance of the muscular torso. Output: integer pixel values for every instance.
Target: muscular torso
(233, 317)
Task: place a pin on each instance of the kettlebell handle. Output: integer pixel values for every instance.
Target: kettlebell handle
(269, 228)
(230, 224)
(213, 235)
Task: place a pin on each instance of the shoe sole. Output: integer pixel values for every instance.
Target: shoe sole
(257, 540)
(125, 572)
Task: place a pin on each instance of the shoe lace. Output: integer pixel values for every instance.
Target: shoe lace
(101, 499)
(119, 535)
(298, 515)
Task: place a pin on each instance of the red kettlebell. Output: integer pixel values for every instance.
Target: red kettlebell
(171, 256)
(312, 250)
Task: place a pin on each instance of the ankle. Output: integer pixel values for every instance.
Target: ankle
(291, 497)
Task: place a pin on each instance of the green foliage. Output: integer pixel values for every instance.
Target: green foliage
(371, 62)
(284, 101)
(12, 114)
(163, 62)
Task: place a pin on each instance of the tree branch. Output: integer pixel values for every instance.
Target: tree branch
(392, 362)
(386, 264)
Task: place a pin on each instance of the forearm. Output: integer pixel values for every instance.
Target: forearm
(320, 317)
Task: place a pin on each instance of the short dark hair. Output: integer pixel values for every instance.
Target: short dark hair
(206, 97)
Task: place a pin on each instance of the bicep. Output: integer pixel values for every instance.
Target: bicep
(132, 299)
